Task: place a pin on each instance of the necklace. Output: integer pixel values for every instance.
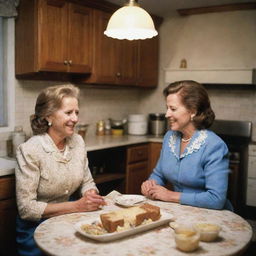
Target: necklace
(186, 140)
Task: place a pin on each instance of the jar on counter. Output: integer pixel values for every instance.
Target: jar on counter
(107, 128)
(18, 137)
(100, 128)
(81, 129)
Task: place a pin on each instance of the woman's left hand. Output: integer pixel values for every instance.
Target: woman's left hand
(162, 193)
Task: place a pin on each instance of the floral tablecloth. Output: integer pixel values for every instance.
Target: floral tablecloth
(57, 235)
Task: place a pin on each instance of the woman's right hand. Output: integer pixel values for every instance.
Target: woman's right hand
(90, 202)
(146, 186)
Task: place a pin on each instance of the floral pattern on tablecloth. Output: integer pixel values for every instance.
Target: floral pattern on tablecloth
(57, 235)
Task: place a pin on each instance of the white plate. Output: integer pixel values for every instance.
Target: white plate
(129, 200)
(165, 218)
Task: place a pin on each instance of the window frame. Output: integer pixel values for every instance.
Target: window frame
(8, 77)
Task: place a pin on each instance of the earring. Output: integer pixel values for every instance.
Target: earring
(192, 118)
(49, 124)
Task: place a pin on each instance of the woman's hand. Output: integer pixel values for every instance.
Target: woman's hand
(146, 185)
(91, 201)
(91, 191)
(162, 193)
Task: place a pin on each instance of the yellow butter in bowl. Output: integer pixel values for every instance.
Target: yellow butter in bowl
(186, 238)
(208, 231)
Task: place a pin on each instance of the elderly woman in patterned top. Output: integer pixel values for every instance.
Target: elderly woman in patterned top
(193, 159)
(52, 165)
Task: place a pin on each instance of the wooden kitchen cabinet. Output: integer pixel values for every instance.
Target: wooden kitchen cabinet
(154, 154)
(64, 40)
(122, 62)
(53, 36)
(108, 169)
(8, 213)
(148, 51)
(114, 61)
(136, 168)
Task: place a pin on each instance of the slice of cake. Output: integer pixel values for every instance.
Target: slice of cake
(129, 217)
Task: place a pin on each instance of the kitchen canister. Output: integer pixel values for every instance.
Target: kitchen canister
(137, 124)
(18, 137)
(157, 124)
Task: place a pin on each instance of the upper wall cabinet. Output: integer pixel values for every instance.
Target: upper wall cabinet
(114, 61)
(148, 62)
(64, 40)
(53, 36)
(122, 62)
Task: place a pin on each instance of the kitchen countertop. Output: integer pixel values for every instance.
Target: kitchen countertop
(100, 142)
(111, 141)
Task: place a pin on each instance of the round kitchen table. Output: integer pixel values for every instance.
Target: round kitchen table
(57, 236)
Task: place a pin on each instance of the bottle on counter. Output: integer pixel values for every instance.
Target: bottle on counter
(18, 137)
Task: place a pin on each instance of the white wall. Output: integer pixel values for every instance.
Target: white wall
(215, 40)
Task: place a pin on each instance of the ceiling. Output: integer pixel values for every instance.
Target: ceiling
(164, 8)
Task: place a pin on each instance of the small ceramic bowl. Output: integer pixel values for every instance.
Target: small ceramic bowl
(186, 238)
(208, 231)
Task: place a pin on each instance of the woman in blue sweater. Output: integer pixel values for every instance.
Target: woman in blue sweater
(193, 159)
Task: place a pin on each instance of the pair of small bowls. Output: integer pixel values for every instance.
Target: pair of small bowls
(187, 237)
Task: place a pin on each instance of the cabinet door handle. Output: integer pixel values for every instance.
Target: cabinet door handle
(70, 62)
(118, 74)
(65, 62)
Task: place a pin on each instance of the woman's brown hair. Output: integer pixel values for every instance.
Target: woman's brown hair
(194, 97)
(49, 101)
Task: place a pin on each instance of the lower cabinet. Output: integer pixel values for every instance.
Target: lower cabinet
(136, 168)
(154, 154)
(8, 213)
(108, 169)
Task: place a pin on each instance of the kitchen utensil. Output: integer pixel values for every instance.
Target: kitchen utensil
(117, 126)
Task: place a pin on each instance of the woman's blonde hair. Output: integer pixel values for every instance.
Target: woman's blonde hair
(49, 101)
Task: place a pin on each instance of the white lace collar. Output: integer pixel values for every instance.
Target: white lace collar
(50, 147)
(197, 141)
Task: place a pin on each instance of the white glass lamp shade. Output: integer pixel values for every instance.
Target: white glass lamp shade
(132, 23)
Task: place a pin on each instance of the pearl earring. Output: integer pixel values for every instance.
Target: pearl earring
(49, 124)
(192, 118)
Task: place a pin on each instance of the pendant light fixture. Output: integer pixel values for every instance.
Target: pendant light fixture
(130, 22)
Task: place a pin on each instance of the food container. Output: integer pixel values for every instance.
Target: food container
(157, 124)
(82, 129)
(18, 137)
(186, 238)
(208, 231)
(137, 124)
(100, 128)
(117, 126)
